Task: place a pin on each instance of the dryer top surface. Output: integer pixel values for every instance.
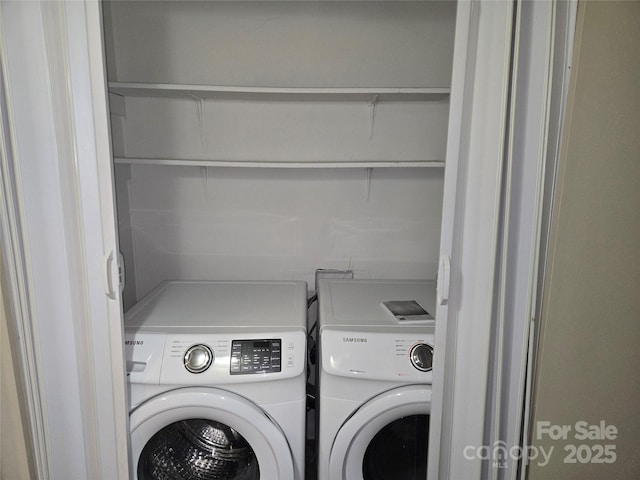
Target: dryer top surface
(361, 303)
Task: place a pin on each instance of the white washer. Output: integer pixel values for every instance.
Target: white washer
(217, 380)
(374, 378)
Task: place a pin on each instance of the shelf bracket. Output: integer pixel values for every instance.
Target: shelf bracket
(368, 186)
(204, 171)
(372, 114)
(201, 118)
(117, 105)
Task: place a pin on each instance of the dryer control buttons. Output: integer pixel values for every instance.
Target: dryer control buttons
(198, 358)
(422, 357)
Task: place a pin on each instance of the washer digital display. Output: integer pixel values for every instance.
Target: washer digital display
(255, 356)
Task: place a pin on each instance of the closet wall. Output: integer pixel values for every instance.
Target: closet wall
(281, 224)
(268, 139)
(589, 320)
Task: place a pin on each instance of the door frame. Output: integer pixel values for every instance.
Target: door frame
(478, 121)
(504, 123)
(58, 227)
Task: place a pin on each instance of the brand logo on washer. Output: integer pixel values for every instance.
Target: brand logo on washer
(134, 342)
(354, 340)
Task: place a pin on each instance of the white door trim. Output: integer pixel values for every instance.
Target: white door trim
(469, 238)
(58, 213)
(16, 290)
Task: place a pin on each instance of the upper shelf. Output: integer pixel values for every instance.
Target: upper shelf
(279, 93)
(281, 164)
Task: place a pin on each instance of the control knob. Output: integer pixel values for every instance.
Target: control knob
(422, 357)
(198, 358)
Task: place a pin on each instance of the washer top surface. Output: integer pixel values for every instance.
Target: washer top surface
(195, 304)
(361, 303)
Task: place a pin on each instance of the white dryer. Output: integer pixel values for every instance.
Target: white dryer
(217, 383)
(376, 342)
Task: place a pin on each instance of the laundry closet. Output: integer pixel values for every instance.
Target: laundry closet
(265, 140)
(271, 140)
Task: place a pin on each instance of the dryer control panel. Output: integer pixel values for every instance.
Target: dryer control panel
(402, 356)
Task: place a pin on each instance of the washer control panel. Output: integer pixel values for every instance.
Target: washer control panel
(214, 358)
(255, 356)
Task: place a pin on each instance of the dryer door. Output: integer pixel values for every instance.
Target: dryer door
(192, 433)
(385, 438)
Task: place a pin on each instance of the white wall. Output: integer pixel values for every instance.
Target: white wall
(326, 44)
(222, 223)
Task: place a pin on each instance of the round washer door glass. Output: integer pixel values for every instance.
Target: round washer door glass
(398, 451)
(198, 449)
(198, 433)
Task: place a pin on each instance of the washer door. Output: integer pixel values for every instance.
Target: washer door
(206, 433)
(386, 438)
